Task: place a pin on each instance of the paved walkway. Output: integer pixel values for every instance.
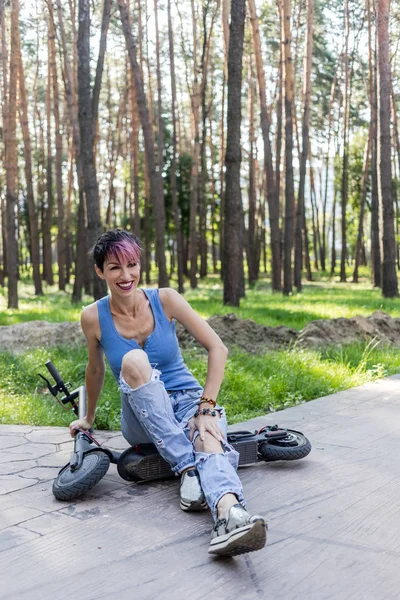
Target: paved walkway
(334, 517)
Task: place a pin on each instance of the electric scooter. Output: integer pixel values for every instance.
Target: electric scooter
(90, 460)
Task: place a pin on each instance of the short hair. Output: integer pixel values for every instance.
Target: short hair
(119, 244)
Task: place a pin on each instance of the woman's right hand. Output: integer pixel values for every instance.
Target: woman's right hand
(84, 423)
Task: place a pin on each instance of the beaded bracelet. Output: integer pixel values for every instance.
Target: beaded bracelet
(204, 400)
(205, 411)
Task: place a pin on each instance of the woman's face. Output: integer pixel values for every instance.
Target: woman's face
(121, 277)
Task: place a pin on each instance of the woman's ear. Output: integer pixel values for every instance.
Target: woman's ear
(99, 272)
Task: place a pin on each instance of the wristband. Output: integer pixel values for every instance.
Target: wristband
(205, 400)
(205, 411)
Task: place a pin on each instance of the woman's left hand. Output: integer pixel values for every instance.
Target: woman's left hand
(205, 423)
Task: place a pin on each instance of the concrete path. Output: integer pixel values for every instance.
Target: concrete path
(334, 517)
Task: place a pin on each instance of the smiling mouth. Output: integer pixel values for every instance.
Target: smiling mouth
(125, 286)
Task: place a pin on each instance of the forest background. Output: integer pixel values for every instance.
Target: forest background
(253, 143)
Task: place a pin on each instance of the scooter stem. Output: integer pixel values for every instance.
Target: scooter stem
(82, 402)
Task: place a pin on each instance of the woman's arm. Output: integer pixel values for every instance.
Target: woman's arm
(176, 307)
(95, 368)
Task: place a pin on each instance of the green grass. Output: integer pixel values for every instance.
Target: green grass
(253, 385)
(324, 299)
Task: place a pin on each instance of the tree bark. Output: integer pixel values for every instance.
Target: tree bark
(389, 276)
(61, 239)
(105, 22)
(160, 121)
(11, 162)
(251, 251)
(364, 190)
(375, 237)
(156, 185)
(86, 128)
(271, 191)
(81, 265)
(4, 107)
(300, 212)
(30, 198)
(174, 192)
(289, 181)
(325, 202)
(48, 207)
(345, 160)
(233, 253)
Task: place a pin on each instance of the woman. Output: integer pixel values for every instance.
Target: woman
(162, 402)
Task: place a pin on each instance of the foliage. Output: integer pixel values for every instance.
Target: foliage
(253, 385)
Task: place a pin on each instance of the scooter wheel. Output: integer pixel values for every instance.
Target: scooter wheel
(293, 446)
(70, 485)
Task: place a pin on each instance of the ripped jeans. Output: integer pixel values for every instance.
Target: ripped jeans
(151, 415)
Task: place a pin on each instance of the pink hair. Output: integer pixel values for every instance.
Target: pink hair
(124, 251)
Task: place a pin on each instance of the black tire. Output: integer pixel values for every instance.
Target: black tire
(70, 485)
(293, 446)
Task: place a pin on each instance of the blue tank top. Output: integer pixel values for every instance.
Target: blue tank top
(161, 346)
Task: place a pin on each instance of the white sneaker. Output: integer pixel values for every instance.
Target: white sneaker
(239, 533)
(192, 497)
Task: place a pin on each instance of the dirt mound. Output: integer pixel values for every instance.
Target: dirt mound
(243, 333)
(39, 334)
(344, 331)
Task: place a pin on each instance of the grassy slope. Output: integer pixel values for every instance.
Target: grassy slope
(253, 385)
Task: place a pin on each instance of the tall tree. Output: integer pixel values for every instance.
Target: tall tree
(289, 181)
(81, 265)
(233, 242)
(61, 237)
(300, 212)
(47, 221)
(364, 189)
(389, 276)
(194, 181)
(10, 143)
(272, 192)
(156, 183)
(373, 92)
(174, 190)
(345, 161)
(86, 127)
(30, 199)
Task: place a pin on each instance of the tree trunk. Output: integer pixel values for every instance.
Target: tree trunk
(345, 162)
(174, 192)
(81, 265)
(325, 202)
(289, 182)
(156, 184)
(375, 237)
(251, 249)
(105, 22)
(389, 276)
(4, 95)
(10, 144)
(86, 128)
(48, 207)
(333, 249)
(233, 254)
(160, 121)
(271, 191)
(364, 190)
(300, 213)
(30, 199)
(61, 249)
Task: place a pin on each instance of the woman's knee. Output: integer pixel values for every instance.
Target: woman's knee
(135, 368)
(209, 445)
